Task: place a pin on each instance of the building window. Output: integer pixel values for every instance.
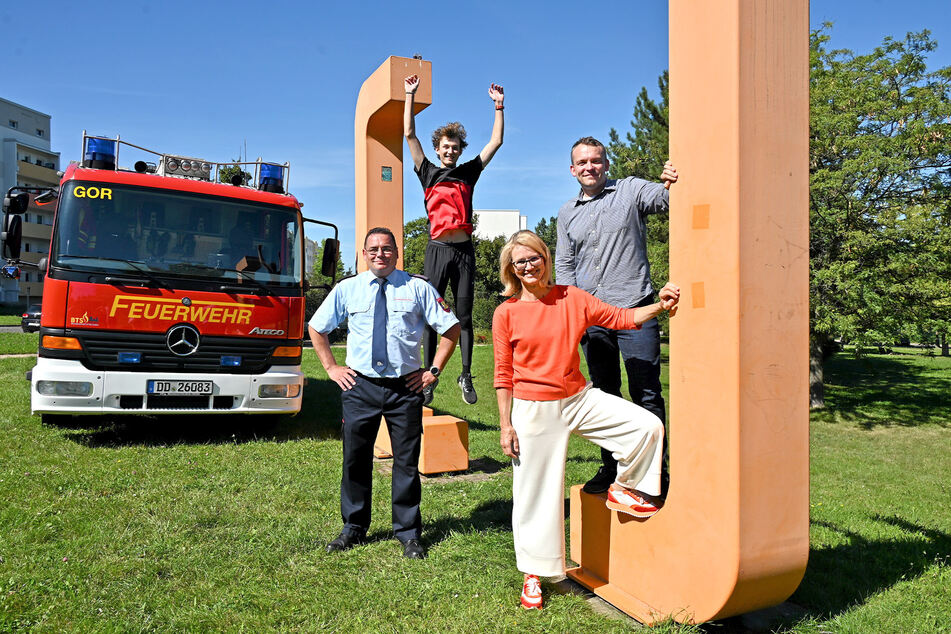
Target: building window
(40, 132)
(39, 162)
(26, 246)
(14, 124)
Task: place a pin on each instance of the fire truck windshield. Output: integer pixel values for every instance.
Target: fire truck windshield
(114, 228)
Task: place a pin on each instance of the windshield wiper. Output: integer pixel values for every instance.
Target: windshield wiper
(147, 278)
(262, 289)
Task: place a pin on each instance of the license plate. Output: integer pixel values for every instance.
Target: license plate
(165, 388)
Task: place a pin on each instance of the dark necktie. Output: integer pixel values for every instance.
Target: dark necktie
(380, 359)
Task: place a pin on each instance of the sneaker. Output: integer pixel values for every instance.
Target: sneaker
(532, 593)
(603, 479)
(468, 390)
(429, 392)
(628, 501)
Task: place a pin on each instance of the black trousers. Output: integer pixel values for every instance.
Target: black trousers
(452, 264)
(363, 405)
(640, 350)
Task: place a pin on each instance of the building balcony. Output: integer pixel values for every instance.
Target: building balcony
(37, 174)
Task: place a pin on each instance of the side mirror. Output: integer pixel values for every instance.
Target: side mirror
(16, 203)
(46, 197)
(12, 233)
(328, 266)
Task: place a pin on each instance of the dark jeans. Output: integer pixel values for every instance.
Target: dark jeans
(363, 405)
(452, 264)
(640, 350)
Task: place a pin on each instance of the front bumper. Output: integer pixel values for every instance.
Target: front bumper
(114, 392)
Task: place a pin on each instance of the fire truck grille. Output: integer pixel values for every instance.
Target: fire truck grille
(101, 352)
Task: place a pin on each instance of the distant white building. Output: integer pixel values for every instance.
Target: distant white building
(491, 223)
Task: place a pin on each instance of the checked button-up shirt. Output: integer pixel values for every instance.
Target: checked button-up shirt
(602, 241)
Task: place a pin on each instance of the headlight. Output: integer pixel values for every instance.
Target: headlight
(64, 388)
(283, 390)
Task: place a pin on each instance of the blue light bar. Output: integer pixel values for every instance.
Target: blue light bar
(230, 361)
(273, 174)
(100, 148)
(130, 357)
(272, 178)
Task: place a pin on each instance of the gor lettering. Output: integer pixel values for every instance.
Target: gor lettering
(92, 192)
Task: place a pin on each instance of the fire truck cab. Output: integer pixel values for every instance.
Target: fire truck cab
(167, 292)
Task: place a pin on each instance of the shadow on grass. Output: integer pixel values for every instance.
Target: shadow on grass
(490, 515)
(840, 578)
(319, 418)
(875, 392)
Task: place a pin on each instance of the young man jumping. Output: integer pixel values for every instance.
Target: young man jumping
(447, 190)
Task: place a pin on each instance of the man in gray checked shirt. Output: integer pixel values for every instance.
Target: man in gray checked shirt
(602, 249)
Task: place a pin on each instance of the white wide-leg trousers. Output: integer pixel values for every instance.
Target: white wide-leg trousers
(632, 434)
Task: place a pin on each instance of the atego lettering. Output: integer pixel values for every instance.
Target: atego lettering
(265, 331)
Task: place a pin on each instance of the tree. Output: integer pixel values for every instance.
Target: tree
(415, 238)
(879, 182)
(225, 173)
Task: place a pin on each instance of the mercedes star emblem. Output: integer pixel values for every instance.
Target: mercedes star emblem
(182, 340)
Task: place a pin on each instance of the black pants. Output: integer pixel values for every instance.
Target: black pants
(363, 405)
(640, 350)
(452, 264)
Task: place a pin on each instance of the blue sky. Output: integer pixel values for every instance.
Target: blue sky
(282, 77)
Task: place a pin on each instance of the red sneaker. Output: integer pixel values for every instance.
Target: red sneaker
(532, 593)
(627, 501)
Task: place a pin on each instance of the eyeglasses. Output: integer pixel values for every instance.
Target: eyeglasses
(384, 250)
(535, 260)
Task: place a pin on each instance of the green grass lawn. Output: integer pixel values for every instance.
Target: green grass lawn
(218, 523)
(19, 342)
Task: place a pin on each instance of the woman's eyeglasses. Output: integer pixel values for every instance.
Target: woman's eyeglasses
(535, 260)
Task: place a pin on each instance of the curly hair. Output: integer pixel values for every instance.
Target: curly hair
(524, 238)
(452, 130)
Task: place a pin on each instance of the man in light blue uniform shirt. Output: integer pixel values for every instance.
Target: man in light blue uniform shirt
(387, 311)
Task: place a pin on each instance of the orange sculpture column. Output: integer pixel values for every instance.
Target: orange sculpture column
(378, 139)
(378, 146)
(734, 533)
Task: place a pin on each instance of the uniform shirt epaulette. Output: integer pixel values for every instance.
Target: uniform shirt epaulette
(417, 275)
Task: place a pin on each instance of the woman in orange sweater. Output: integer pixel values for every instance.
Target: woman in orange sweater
(543, 399)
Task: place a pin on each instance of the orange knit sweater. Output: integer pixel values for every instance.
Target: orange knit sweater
(536, 343)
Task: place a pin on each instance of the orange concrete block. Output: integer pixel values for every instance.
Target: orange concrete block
(734, 533)
(445, 444)
(381, 446)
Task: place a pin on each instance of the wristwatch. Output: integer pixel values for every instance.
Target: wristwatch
(434, 371)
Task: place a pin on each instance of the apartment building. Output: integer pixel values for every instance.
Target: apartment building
(26, 159)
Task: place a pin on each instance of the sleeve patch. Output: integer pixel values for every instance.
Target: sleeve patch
(443, 304)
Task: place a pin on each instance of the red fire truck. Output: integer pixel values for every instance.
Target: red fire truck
(167, 292)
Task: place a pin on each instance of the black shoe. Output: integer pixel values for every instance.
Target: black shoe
(603, 479)
(413, 549)
(429, 392)
(345, 541)
(468, 390)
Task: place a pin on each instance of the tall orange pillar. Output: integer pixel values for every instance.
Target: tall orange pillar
(734, 533)
(378, 144)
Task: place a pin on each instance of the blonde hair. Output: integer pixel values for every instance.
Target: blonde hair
(523, 238)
